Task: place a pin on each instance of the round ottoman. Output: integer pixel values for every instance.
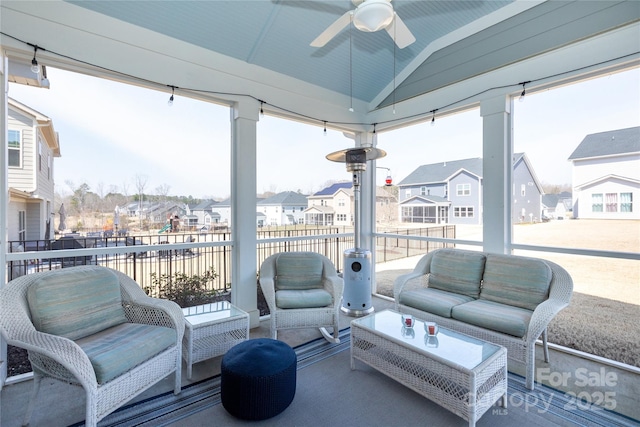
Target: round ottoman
(258, 378)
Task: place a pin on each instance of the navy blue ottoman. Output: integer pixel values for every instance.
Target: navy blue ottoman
(258, 378)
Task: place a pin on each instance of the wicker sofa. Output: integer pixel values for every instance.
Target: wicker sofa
(505, 299)
(94, 327)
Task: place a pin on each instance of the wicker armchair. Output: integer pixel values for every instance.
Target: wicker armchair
(302, 290)
(97, 296)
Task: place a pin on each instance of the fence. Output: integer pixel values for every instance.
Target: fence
(140, 264)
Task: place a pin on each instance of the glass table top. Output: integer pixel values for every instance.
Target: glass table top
(207, 313)
(460, 349)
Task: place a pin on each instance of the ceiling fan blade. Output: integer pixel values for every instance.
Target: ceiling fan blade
(332, 30)
(400, 32)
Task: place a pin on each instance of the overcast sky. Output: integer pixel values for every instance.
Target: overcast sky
(110, 133)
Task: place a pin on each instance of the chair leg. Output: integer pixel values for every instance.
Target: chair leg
(37, 379)
(545, 347)
(327, 336)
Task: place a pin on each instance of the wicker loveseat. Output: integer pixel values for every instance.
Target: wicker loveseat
(94, 327)
(505, 299)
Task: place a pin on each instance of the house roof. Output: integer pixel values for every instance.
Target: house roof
(285, 198)
(333, 189)
(443, 171)
(204, 205)
(425, 200)
(610, 143)
(44, 123)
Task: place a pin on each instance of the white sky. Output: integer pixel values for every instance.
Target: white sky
(110, 133)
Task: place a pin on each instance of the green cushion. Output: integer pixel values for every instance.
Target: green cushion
(517, 281)
(309, 298)
(433, 301)
(76, 302)
(458, 271)
(116, 350)
(494, 316)
(298, 271)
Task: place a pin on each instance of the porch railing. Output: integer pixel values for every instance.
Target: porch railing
(193, 253)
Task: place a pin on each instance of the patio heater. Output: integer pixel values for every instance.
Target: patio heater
(356, 300)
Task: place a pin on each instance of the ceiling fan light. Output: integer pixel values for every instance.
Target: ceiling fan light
(373, 15)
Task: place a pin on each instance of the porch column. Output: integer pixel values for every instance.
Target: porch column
(244, 117)
(497, 150)
(368, 201)
(4, 190)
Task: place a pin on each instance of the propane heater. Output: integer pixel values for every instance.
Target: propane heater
(356, 300)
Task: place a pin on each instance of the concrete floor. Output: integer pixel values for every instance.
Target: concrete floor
(614, 387)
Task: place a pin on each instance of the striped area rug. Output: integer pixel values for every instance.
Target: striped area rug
(167, 408)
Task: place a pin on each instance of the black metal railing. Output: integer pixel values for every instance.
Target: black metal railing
(197, 259)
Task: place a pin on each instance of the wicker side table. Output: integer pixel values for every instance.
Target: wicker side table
(211, 330)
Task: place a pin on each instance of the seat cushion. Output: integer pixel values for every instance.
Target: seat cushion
(518, 281)
(76, 302)
(298, 271)
(118, 349)
(494, 316)
(433, 301)
(310, 298)
(458, 271)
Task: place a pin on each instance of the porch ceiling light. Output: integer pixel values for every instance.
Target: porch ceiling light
(373, 15)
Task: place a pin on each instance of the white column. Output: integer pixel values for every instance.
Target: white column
(4, 200)
(497, 151)
(244, 117)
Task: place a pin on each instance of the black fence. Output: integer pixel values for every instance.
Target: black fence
(140, 264)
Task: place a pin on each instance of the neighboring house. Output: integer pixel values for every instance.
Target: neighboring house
(206, 213)
(606, 175)
(334, 205)
(32, 146)
(286, 208)
(557, 206)
(330, 206)
(451, 192)
(223, 209)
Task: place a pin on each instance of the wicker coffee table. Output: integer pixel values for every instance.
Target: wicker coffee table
(211, 330)
(463, 374)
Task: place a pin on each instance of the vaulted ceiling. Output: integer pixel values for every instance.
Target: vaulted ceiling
(227, 50)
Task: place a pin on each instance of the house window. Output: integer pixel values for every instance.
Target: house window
(423, 191)
(463, 189)
(15, 148)
(596, 202)
(626, 202)
(22, 226)
(341, 217)
(340, 202)
(49, 165)
(39, 154)
(407, 193)
(523, 190)
(612, 202)
(463, 212)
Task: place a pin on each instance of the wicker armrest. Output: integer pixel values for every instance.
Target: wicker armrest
(59, 349)
(334, 285)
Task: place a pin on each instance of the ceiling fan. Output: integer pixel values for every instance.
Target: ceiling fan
(370, 16)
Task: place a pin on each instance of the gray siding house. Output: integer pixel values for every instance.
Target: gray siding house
(451, 192)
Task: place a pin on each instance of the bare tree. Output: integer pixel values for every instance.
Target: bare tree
(141, 183)
(163, 191)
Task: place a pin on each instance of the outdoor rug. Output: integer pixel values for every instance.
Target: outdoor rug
(329, 393)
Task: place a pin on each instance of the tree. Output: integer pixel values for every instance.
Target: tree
(141, 183)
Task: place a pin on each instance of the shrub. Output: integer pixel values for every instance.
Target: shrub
(185, 290)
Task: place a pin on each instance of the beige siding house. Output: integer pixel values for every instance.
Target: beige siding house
(32, 146)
